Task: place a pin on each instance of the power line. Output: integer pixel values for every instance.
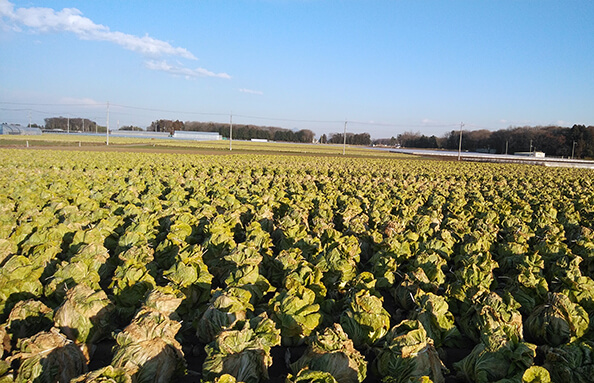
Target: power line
(291, 119)
(387, 124)
(355, 122)
(168, 111)
(44, 104)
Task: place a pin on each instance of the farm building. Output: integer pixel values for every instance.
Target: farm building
(530, 154)
(138, 134)
(196, 136)
(13, 129)
(178, 135)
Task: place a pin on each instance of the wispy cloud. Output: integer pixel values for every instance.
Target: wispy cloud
(82, 101)
(71, 20)
(251, 91)
(179, 70)
(431, 122)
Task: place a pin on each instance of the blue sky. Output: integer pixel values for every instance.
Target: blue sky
(384, 66)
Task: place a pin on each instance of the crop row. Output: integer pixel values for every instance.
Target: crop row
(359, 269)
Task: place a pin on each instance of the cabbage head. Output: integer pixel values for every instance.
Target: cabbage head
(433, 265)
(189, 268)
(332, 351)
(224, 309)
(296, 314)
(415, 282)
(365, 319)
(311, 376)
(384, 268)
(557, 321)
(572, 362)
(433, 313)
(242, 351)
(244, 271)
(19, 279)
(149, 361)
(147, 348)
(338, 260)
(277, 268)
(164, 299)
(107, 374)
(85, 315)
(408, 354)
(190, 274)
(473, 274)
(580, 290)
(29, 317)
(484, 363)
(529, 287)
(490, 312)
(49, 357)
(309, 276)
(132, 280)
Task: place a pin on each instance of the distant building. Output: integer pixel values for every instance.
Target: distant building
(196, 136)
(530, 154)
(18, 130)
(138, 134)
(177, 135)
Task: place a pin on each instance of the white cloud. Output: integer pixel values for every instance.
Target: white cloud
(251, 91)
(82, 101)
(71, 20)
(431, 122)
(164, 66)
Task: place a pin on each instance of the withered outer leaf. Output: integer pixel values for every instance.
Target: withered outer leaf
(147, 348)
(332, 351)
(49, 357)
(85, 314)
(108, 374)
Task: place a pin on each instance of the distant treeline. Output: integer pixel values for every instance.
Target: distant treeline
(351, 139)
(240, 131)
(72, 124)
(555, 141)
(247, 132)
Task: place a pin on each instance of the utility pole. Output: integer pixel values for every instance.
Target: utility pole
(107, 125)
(29, 119)
(460, 143)
(573, 149)
(344, 139)
(231, 131)
(530, 146)
(506, 143)
(68, 125)
(83, 125)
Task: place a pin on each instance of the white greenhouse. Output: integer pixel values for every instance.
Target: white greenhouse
(13, 129)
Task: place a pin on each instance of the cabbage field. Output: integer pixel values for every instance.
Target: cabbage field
(162, 267)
